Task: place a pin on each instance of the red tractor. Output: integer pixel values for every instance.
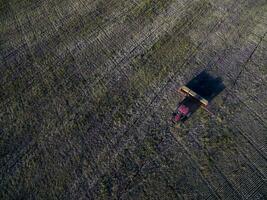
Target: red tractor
(190, 103)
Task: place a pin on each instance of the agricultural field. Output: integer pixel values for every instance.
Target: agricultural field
(87, 89)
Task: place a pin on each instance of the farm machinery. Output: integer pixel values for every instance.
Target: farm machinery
(197, 93)
(190, 103)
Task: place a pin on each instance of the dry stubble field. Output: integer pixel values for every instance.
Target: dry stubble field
(87, 88)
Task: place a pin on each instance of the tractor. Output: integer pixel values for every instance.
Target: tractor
(190, 103)
(198, 92)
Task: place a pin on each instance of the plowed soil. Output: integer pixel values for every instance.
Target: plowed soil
(87, 89)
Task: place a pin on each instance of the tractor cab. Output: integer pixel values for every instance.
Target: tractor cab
(181, 114)
(185, 109)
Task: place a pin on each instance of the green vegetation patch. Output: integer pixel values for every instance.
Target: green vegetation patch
(168, 53)
(148, 9)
